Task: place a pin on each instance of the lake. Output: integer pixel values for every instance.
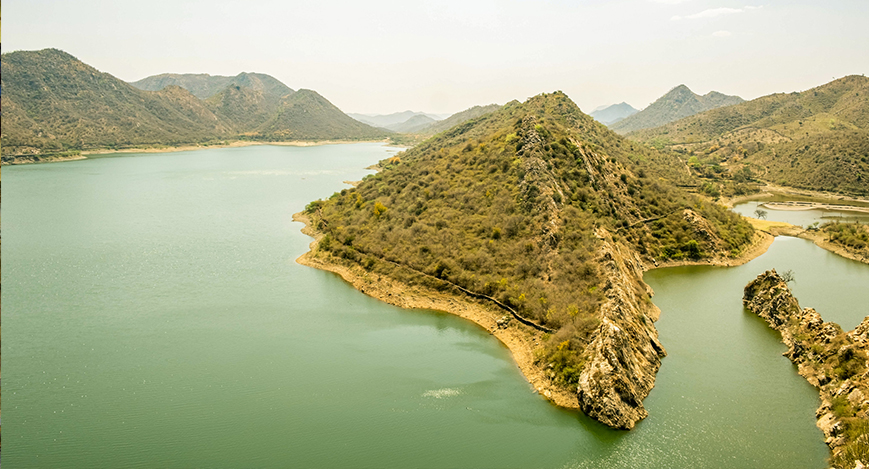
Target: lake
(802, 218)
(155, 317)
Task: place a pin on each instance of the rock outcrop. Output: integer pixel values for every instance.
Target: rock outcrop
(623, 358)
(835, 362)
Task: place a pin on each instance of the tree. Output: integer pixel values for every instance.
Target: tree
(760, 214)
(788, 276)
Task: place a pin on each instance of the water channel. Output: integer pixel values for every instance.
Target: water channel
(155, 317)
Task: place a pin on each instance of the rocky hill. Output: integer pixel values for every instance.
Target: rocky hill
(55, 105)
(816, 139)
(609, 115)
(678, 103)
(547, 216)
(306, 115)
(835, 362)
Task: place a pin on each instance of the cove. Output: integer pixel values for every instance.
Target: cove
(155, 317)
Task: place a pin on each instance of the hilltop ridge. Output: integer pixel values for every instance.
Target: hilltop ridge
(678, 103)
(204, 86)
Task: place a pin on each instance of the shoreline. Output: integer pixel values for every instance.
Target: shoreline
(780, 228)
(234, 144)
(518, 339)
(822, 198)
(759, 245)
(801, 206)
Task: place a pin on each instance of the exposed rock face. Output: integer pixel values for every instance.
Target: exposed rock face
(835, 362)
(625, 355)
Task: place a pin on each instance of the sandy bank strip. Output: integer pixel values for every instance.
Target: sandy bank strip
(520, 340)
(26, 159)
(792, 191)
(798, 206)
(771, 190)
(234, 144)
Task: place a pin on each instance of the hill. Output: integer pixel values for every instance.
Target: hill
(816, 139)
(458, 118)
(608, 115)
(306, 115)
(246, 109)
(54, 106)
(678, 103)
(413, 124)
(53, 102)
(547, 216)
(204, 86)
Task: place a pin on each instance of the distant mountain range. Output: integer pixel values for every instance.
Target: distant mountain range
(390, 121)
(608, 115)
(816, 139)
(421, 124)
(678, 103)
(53, 103)
(413, 124)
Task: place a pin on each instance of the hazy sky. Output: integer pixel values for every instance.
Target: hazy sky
(444, 56)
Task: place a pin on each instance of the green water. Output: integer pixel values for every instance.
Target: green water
(155, 317)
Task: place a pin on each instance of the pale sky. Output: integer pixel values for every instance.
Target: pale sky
(445, 56)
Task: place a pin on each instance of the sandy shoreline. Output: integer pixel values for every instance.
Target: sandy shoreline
(234, 144)
(520, 340)
(798, 206)
(772, 190)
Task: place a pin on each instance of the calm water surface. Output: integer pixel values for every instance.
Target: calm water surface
(155, 317)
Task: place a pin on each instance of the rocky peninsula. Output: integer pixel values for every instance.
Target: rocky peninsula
(833, 361)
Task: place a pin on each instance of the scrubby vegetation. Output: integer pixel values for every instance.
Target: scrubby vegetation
(817, 139)
(506, 205)
(854, 236)
(204, 86)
